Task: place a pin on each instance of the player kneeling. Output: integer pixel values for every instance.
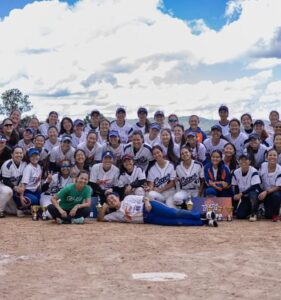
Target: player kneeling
(139, 209)
(75, 201)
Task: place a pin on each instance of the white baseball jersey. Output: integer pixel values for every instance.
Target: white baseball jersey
(142, 157)
(189, 178)
(161, 176)
(109, 178)
(238, 142)
(95, 152)
(150, 142)
(57, 183)
(123, 131)
(138, 127)
(126, 178)
(10, 170)
(269, 129)
(49, 146)
(76, 140)
(44, 128)
(131, 211)
(43, 154)
(56, 155)
(199, 152)
(25, 146)
(117, 153)
(245, 181)
(259, 156)
(270, 180)
(101, 140)
(165, 149)
(90, 127)
(270, 141)
(210, 147)
(224, 128)
(32, 177)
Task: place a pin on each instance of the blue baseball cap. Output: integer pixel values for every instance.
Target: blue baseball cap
(78, 122)
(66, 138)
(113, 133)
(142, 110)
(155, 126)
(32, 151)
(107, 154)
(190, 133)
(120, 110)
(31, 130)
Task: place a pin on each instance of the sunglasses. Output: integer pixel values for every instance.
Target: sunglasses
(65, 166)
(173, 120)
(8, 125)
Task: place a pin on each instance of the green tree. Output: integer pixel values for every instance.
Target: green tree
(14, 99)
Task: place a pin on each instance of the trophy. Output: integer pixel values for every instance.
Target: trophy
(34, 210)
(219, 214)
(99, 208)
(44, 213)
(229, 213)
(189, 204)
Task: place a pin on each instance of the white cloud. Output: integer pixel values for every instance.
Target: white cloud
(264, 63)
(103, 53)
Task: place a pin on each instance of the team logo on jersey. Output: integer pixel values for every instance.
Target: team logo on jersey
(159, 181)
(186, 180)
(141, 160)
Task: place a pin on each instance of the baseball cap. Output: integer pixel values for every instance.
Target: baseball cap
(127, 156)
(159, 113)
(223, 107)
(66, 137)
(142, 110)
(253, 136)
(95, 111)
(216, 127)
(190, 133)
(120, 109)
(3, 138)
(107, 154)
(113, 133)
(31, 130)
(32, 151)
(155, 126)
(259, 122)
(78, 122)
(244, 156)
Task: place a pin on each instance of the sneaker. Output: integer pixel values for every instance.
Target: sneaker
(212, 223)
(275, 218)
(59, 221)
(209, 215)
(2, 215)
(20, 213)
(253, 218)
(78, 220)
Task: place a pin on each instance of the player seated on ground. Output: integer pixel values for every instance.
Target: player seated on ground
(217, 177)
(75, 201)
(246, 183)
(104, 177)
(161, 177)
(190, 175)
(55, 182)
(11, 173)
(270, 174)
(139, 209)
(132, 178)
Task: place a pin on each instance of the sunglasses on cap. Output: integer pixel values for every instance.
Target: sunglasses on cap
(66, 166)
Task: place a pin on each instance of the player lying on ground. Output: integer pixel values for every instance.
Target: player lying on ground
(75, 201)
(139, 209)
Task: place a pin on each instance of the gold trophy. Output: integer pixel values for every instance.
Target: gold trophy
(99, 208)
(189, 204)
(44, 213)
(219, 213)
(34, 210)
(229, 213)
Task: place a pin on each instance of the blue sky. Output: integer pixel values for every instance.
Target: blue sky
(186, 57)
(212, 11)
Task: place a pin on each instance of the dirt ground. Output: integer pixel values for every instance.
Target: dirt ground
(42, 260)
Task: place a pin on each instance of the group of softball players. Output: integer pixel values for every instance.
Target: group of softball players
(145, 172)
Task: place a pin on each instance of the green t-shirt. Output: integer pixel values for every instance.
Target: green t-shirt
(70, 196)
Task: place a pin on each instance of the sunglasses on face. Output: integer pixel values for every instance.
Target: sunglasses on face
(65, 166)
(173, 120)
(8, 125)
